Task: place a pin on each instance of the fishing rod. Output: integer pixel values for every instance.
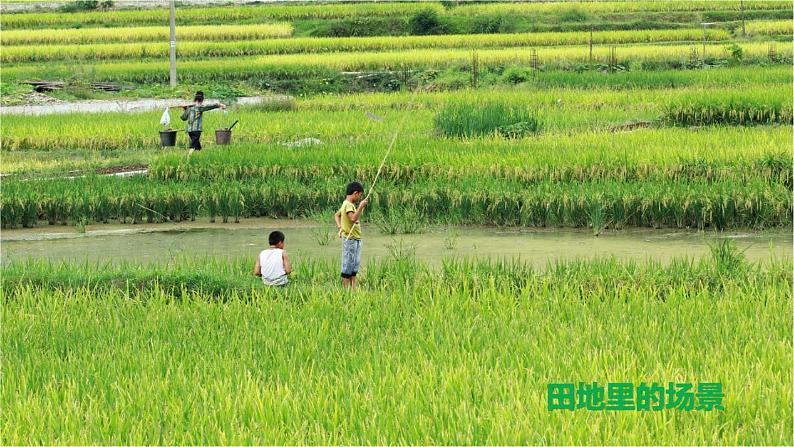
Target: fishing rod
(388, 151)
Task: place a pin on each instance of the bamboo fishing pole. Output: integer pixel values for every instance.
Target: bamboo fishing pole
(388, 151)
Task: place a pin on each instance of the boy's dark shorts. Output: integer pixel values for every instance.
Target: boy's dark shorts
(195, 140)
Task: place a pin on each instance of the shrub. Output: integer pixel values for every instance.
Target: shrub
(573, 15)
(468, 120)
(80, 5)
(735, 51)
(487, 25)
(425, 22)
(515, 75)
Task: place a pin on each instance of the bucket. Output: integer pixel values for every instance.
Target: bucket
(223, 136)
(167, 138)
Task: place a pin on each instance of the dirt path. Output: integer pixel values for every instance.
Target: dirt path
(134, 105)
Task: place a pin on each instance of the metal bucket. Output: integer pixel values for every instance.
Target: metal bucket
(223, 136)
(167, 138)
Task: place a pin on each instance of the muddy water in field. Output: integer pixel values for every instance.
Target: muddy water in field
(164, 242)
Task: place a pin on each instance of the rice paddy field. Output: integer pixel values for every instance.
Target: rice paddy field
(548, 214)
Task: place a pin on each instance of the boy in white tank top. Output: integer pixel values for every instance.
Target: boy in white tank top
(272, 264)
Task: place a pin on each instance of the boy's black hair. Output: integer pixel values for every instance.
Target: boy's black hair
(275, 237)
(199, 96)
(354, 187)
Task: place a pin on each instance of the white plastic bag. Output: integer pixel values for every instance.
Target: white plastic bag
(166, 118)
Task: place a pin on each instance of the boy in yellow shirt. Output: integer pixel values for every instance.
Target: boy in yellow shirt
(348, 223)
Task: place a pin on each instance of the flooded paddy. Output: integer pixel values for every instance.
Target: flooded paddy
(161, 243)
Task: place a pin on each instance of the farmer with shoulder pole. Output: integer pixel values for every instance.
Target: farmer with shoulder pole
(193, 115)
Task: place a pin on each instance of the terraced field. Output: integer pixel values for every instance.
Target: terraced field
(501, 121)
(215, 48)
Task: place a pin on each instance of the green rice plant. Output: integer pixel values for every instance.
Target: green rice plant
(412, 221)
(399, 250)
(207, 15)
(562, 89)
(693, 204)
(636, 157)
(767, 28)
(318, 65)
(29, 213)
(452, 239)
(54, 38)
(656, 177)
(597, 218)
(106, 334)
(513, 9)
(735, 109)
(81, 224)
(727, 257)
(248, 41)
(323, 235)
(387, 223)
(402, 220)
(469, 119)
(9, 211)
(260, 13)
